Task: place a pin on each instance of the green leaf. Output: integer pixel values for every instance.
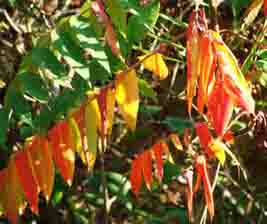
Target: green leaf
(143, 21)
(15, 101)
(262, 64)
(71, 52)
(146, 90)
(171, 171)
(117, 14)
(262, 53)
(87, 39)
(43, 58)
(176, 124)
(33, 85)
(4, 121)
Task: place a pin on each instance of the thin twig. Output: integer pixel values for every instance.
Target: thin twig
(11, 22)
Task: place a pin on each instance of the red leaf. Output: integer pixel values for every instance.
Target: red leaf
(201, 167)
(102, 103)
(27, 177)
(136, 175)
(158, 153)
(146, 160)
(220, 108)
(229, 137)
(203, 134)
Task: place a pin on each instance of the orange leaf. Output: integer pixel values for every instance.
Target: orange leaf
(201, 167)
(43, 165)
(63, 154)
(155, 64)
(27, 177)
(11, 195)
(220, 108)
(127, 96)
(136, 175)
(229, 137)
(197, 25)
(187, 136)
(207, 68)
(110, 109)
(158, 153)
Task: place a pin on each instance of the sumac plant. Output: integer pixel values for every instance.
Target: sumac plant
(86, 81)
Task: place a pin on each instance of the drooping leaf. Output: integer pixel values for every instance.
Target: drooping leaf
(146, 161)
(197, 25)
(234, 82)
(155, 64)
(63, 154)
(136, 175)
(127, 96)
(12, 199)
(201, 167)
(220, 108)
(158, 151)
(207, 68)
(92, 122)
(110, 109)
(43, 165)
(27, 177)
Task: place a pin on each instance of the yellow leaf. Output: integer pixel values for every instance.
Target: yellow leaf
(76, 141)
(91, 124)
(176, 141)
(110, 109)
(127, 96)
(218, 148)
(155, 64)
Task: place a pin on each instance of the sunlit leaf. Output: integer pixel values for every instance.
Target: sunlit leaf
(155, 64)
(218, 148)
(11, 195)
(43, 165)
(63, 154)
(234, 82)
(201, 167)
(92, 118)
(197, 25)
(127, 96)
(27, 177)
(207, 68)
